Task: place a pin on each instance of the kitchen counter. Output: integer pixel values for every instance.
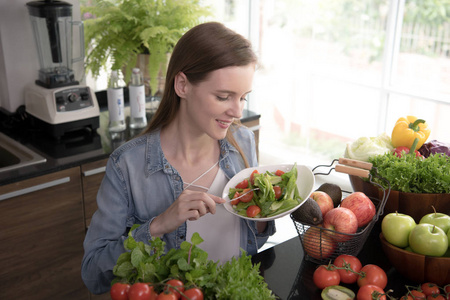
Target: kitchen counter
(289, 275)
(74, 150)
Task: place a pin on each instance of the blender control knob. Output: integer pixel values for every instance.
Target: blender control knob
(72, 97)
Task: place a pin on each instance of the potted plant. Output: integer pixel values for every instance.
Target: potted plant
(118, 31)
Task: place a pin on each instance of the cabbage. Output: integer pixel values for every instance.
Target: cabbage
(365, 147)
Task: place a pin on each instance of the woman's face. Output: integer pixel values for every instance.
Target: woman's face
(213, 104)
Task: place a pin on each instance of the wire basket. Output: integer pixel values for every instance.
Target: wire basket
(320, 244)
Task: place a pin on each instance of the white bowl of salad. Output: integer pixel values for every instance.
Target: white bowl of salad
(280, 190)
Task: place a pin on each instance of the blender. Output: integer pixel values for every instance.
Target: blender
(56, 101)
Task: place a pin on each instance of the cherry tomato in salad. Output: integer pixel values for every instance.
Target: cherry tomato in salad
(119, 291)
(278, 192)
(175, 286)
(253, 211)
(141, 291)
(325, 276)
(353, 263)
(372, 274)
(193, 294)
(236, 202)
(243, 184)
(430, 288)
(247, 197)
(279, 172)
(370, 292)
(252, 177)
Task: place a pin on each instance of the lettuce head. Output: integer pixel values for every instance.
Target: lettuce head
(366, 147)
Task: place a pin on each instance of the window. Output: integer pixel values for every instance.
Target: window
(332, 71)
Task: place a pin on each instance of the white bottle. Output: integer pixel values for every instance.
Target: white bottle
(116, 104)
(138, 117)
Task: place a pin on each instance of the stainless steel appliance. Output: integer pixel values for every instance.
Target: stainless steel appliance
(56, 101)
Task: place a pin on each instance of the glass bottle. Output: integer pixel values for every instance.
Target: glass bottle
(116, 103)
(138, 118)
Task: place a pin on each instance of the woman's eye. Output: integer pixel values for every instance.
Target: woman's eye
(222, 98)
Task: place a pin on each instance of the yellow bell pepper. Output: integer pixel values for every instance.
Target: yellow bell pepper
(406, 130)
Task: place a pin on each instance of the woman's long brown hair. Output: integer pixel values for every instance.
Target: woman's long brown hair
(204, 48)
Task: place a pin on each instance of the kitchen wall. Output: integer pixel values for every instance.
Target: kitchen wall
(19, 63)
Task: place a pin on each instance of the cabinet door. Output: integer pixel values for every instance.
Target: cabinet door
(92, 176)
(41, 238)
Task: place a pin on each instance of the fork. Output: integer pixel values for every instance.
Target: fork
(240, 196)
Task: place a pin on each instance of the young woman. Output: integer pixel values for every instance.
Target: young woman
(170, 178)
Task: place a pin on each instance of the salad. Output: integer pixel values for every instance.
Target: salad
(276, 192)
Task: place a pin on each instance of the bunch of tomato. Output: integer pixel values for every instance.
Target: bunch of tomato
(427, 291)
(371, 279)
(173, 289)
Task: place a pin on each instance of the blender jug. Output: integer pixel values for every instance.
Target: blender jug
(52, 29)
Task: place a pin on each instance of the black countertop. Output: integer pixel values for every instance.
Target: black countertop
(75, 149)
(290, 275)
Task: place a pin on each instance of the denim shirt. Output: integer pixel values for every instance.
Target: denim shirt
(139, 184)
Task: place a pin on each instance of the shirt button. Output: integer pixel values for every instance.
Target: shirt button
(223, 152)
(181, 237)
(166, 166)
(227, 166)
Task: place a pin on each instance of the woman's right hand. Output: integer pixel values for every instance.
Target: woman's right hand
(190, 205)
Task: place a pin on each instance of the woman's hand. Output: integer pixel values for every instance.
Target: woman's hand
(190, 205)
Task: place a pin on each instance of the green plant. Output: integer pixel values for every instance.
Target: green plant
(119, 30)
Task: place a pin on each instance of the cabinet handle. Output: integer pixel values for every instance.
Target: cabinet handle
(34, 188)
(94, 171)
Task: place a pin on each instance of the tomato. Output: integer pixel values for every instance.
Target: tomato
(370, 292)
(252, 177)
(167, 295)
(429, 288)
(372, 274)
(325, 276)
(247, 197)
(119, 291)
(235, 202)
(406, 297)
(141, 291)
(253, 211)
(447, 289)
(353, 263)
(279, 172)
(417, 295)
(435, 297)
(277, 191)
(243, 184)
(193, 294)
(175, 286)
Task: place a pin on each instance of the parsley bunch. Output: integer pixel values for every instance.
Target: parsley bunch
(409, 174)
(236, 279)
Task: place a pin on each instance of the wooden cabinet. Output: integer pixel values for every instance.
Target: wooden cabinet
(41, 237)
(92, 176)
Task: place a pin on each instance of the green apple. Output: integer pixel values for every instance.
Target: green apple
(439, 219)
(428, 239)
(396, 228)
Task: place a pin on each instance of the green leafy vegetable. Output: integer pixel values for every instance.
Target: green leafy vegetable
(236, 279)
(412, 175)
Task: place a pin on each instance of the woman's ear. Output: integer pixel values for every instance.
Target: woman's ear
(180, 84)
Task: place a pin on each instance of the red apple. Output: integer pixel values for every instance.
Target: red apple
(361, 206)
(324, 200)
(342, 220)
(317, 243)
